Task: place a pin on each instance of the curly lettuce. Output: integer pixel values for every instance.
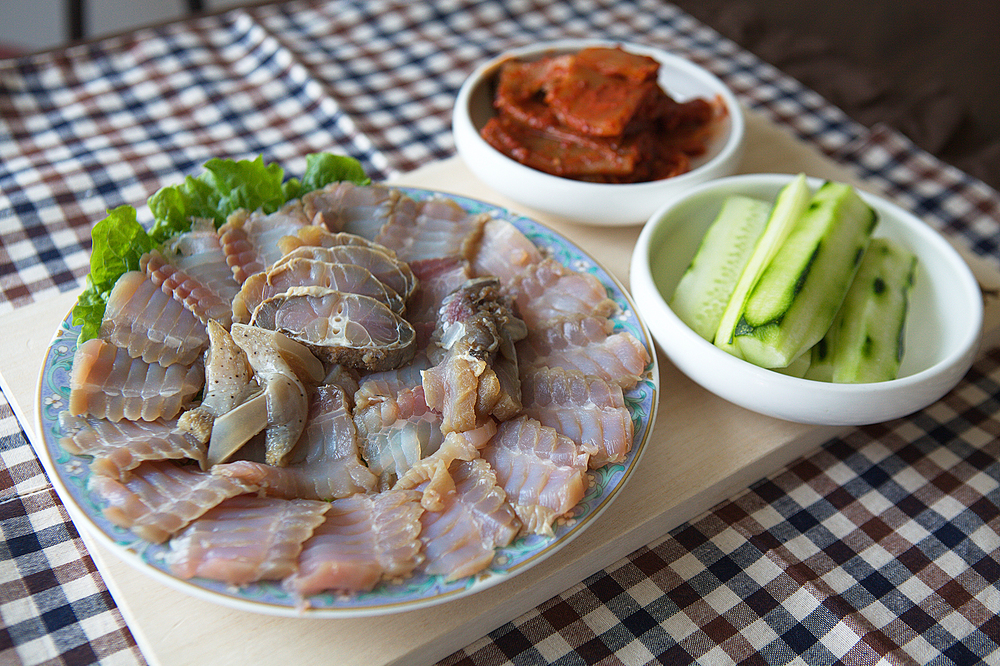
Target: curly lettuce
(119, 240)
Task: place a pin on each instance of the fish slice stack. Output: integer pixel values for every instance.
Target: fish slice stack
(353, 389)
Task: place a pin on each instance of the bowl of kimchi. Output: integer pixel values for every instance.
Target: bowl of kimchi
(596, 132)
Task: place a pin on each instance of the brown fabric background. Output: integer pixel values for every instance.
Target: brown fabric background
(929, 68)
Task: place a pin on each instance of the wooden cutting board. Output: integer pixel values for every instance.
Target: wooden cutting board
(702, 451)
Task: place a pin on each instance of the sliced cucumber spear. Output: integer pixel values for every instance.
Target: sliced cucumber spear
(799, 291)
(709, 281)
(789, 206)
(821, 360)
(865, 341)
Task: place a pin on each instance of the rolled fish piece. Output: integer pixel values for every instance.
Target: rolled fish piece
(348, 329)
(380, 262)
(302, 272)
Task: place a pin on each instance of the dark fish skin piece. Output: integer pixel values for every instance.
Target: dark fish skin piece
(475, 375)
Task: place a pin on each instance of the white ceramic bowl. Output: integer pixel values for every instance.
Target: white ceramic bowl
(943, 327)
(577, 201)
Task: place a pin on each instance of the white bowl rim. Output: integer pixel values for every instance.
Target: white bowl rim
(732, 145)
(957, 359)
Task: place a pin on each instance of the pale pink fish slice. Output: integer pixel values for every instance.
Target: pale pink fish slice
(454, 388)
(363, 540)
(504, 252)
(108, 383)
(199, 254)
(349, 379)
(563, 334)
(120, 446)
(150, 324)
(461, 539)
(439, 227)
(548, 291)
(396, 427)
(587, 409)
(380, 262)
(542, 472)
(245, 539)
(325, 463)
(347, 278)
(620, 359)
(250, 239)
(390, 451)
(346, 207)
(348, 329)
(431, 472)
(380, 403)
(436, 279)
(377, 387)
(160, 497)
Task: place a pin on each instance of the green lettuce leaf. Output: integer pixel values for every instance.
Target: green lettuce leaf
(224, 186)
(118, 243)
(323, 169)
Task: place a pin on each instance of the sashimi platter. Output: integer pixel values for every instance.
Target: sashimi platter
(327, 397)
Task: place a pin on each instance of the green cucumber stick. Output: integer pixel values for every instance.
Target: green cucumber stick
(797, 296)
(788, 207)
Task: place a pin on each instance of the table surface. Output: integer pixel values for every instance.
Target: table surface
(882, 544)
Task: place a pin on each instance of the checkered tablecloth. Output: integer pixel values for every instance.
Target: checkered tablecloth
(881, 548)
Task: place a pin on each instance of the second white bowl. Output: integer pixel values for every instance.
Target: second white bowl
(943, 326)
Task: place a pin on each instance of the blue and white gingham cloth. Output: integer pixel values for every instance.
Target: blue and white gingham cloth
(883, 547)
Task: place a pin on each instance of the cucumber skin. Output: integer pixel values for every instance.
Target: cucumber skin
(867, 337)
(798, 295)
(790, 203)
(705, 288)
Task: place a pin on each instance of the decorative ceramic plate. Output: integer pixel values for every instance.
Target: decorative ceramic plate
(604, 484)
